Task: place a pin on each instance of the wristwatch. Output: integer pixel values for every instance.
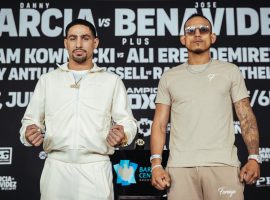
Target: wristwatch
(255, 157)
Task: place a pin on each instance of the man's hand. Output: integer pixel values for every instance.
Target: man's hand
(250, 172)
(34, 135)
(117, 136)
(160, 178)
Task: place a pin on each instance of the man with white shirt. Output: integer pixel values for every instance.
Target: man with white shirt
(84, 112)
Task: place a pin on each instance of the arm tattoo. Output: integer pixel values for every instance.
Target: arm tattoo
(248, 125)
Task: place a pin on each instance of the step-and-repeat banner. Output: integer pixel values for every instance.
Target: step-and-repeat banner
(139, 40)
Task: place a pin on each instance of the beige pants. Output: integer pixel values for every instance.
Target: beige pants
(205, 183)
(73, 181)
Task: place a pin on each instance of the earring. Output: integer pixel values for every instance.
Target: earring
(95, 51)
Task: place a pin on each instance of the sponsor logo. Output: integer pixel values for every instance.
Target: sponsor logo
(125, 171)
(144, 126)
(42, 155)
(8, 183)
(145, 173)
(263, 182)
(5, 155)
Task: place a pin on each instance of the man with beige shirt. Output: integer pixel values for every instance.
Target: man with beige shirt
(84, 112)
(198, 97)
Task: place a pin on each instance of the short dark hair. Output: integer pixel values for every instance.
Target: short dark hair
(198, 15)
(82, 22)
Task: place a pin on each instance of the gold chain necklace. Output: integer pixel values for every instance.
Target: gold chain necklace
(76, 85)
(192, 71)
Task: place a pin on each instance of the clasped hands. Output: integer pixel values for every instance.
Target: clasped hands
(117, 136)
(34, 135)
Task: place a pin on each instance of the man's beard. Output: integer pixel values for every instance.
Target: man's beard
(79, 59)
(199, 51)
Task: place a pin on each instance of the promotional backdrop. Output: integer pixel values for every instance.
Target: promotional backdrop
(139, 40)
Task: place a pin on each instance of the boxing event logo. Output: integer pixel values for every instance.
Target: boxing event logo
(125, 171)
(5, 155)
(144, 126)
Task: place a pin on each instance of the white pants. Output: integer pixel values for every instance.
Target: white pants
(73, 181)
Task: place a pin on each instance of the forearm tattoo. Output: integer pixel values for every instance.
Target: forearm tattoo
(249, 128)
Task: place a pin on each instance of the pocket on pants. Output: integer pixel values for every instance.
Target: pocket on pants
(106, 174)
(45, 176)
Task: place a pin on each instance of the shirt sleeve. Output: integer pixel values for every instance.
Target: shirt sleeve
(35, 111)
(163, 95)
(238, 88)
(121, 111)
